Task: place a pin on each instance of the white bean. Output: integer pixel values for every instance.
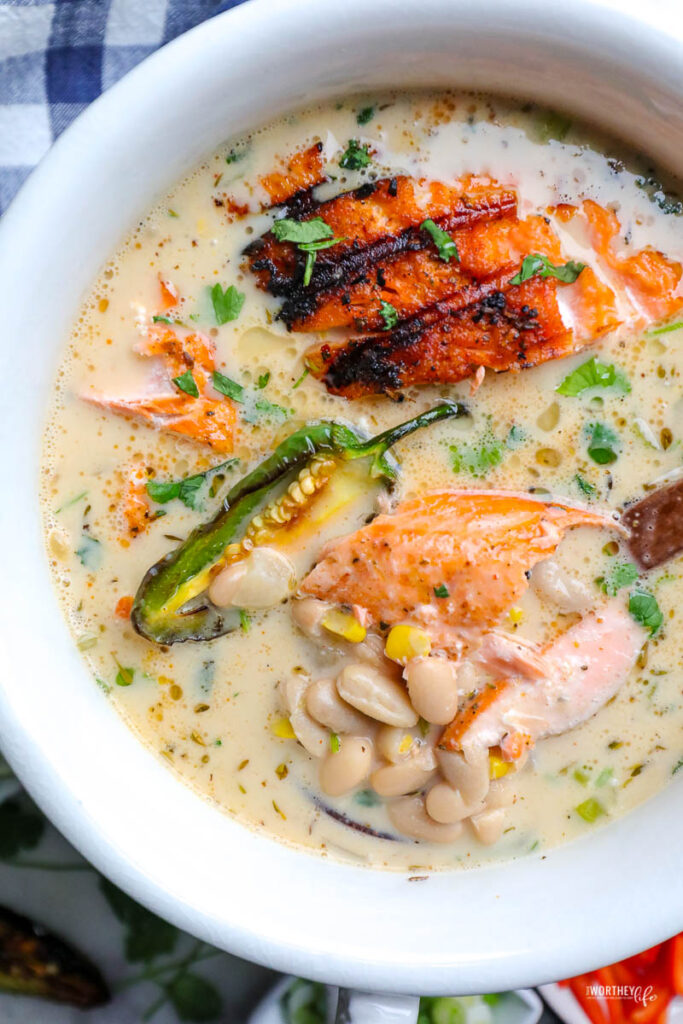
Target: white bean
(470, 777)
(501, 794)
(399, 779)
(325, 705)
(312, 737)
(409, 816)
(346, 768)
(376, 694)
(262, 579)
(433, 689)
(553, 583)
(308, 613)
(446, 804)
(488, 826)
(394, 744)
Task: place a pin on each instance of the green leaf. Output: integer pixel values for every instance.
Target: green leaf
(308, 268)
(228, 387)
(194, 998)
(553, 125)
(269, 410)
(645, 610)
(21, 827)
(227, 305)
(245, 621)
(301, 232)
(186, 490)
(593, 374)
(356, 156)
(365, 114)
(90, 552)
(677, 767)
(618, 576)
(335, 743)
(147, 936)
(389, 314)
(485, 454)
(590, 810)
(71, 501)
(445, 246)
(584, 485)
(367, 798)
(187, 383)
(161, 320)
(537, 265)
(655, 191)
(441, 590)
(602, 443)
(237, 153)
(301, 379)
(442, 1010)
(263, 380)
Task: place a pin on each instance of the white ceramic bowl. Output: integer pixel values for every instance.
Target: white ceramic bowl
(503, 927)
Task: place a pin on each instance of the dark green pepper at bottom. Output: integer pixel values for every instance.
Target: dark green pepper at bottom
(172, 603)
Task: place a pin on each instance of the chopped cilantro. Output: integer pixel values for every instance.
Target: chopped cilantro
(538, 265)
(301, 232)
(90, 552)
(602, 443)
(389, 314)
(245, 622)
(677, 767)
(445, 245)
(367, 798)
(186, 382)
(479, 457)
(227, 305)
(618, 576)
(124, 676)
(228, 387)
(584, 485)
(645, 610)
(593, 374)
(263, 380)
(355, 157)
(365, 114)
(301, 379)
(441, 590)
(186, 489)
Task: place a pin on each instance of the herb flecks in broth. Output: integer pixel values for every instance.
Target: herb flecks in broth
(406, 293)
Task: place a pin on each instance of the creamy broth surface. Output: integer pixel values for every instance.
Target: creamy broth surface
(211, 710)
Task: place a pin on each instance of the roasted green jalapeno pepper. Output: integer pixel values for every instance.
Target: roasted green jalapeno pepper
(172, 603)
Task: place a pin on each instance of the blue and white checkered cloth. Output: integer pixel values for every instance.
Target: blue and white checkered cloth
(57, 56)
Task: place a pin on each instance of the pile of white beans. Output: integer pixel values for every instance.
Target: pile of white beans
(385, 721)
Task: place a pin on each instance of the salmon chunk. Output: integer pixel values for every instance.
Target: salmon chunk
(586, 666)
(478, 545)
(205, 418)
(300, 172)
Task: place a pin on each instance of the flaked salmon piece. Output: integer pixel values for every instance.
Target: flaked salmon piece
(591, 306)
(376, 221)
(413, 280)
(505, 329)
(135, 503)
(301, 171)
(206, 419)
(169, 294)
(479, 545)
(651, 281)
(587, 666)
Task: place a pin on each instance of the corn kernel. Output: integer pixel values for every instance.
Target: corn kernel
(405, 744)
(515, 615)
(498, 767)
(345, 625)
(407, 642)
(282, 728)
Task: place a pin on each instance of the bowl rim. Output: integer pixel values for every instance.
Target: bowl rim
(385, 955)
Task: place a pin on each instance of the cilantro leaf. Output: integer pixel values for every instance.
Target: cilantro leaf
(90, 552)
(537, 265)
(389, 314)
(602, 442)
(147, 936)
(593, 374)
(124, 676)
(356, 156)
(186, 489)
(367, 798)
(301, 231)
(365, 114)
(21, 827)
(677, 767)
(194, 998)
(623, 574)
(584, 485)
(645, 610)
(441, 590)
(270, 410)
(187, 383)
(237, 153)
(263, 380)
(445, 245)
(553, 125)
(304, 1002)
(227, 305)
(228, 387)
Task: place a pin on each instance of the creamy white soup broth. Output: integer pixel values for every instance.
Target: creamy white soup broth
(232, 716)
